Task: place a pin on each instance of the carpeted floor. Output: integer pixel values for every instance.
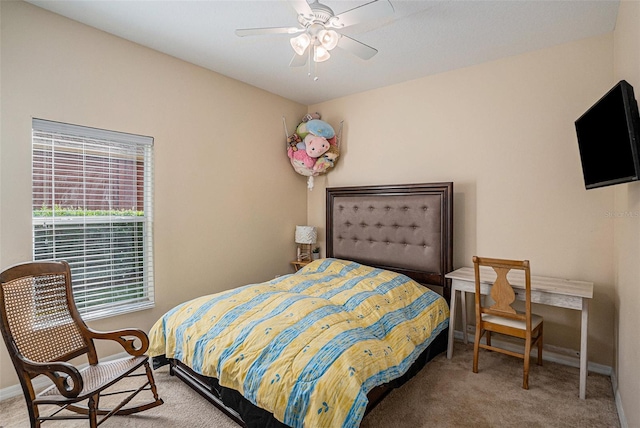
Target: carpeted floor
(445, 394)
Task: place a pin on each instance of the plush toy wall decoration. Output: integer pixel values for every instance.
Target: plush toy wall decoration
(314, 147)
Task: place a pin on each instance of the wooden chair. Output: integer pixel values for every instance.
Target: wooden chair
(501, 317)
(43, 330)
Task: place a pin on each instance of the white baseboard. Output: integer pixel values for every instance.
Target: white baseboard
(42, 382)
(621, 416)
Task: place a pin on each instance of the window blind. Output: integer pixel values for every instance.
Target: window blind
(93, 207)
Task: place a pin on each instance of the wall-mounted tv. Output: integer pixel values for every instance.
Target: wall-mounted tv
(609, 139)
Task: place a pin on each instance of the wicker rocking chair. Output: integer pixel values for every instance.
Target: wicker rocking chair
(43, 330)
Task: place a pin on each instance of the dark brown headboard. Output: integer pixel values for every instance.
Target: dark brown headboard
(403, 228)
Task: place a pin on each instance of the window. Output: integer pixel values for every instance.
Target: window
(92, 206)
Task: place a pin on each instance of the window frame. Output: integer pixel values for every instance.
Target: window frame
(106, 299)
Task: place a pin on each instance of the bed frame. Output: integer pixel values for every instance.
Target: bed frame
(402, 228)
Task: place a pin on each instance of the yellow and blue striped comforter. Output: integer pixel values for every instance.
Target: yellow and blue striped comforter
(307, 347)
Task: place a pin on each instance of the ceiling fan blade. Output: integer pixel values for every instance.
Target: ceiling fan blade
(302, 7)
(242, 32)
(366, 12)
(357, 48)
(298, 60)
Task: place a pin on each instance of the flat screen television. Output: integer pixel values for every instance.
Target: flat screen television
(608, 139)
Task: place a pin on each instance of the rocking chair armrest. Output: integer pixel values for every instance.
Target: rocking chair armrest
(120, 336)
(60, 373)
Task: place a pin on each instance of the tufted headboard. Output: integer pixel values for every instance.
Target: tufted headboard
(403, 228)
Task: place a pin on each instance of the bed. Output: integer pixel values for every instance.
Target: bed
(360, 322)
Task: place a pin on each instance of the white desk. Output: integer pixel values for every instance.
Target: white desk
(547, 291)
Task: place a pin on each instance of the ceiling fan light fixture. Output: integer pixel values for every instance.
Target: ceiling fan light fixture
(315, 36)
(300, 43)
(328, 39)
(320, 54)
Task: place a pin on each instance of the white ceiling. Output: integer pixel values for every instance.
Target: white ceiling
(422, 37)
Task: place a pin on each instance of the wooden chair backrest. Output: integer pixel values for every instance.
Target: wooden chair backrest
(502, 292)
(39, 319)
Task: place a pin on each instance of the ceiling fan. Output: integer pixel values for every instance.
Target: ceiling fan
(317, 33)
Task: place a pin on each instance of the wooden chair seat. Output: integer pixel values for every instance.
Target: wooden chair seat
(95, 378)
(536, 320)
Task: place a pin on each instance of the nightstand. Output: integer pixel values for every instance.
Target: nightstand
(297, 265)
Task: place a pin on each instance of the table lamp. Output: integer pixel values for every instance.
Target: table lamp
(306, 237)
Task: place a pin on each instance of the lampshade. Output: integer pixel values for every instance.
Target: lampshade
(306, 235)
(328, 39)
(300, 43)
(320, 54)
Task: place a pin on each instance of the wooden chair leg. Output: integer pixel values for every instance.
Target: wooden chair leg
(476, 348)
(93, 414)
(527, 356)
(488, 334)
(34, 414)
(540, 340)
(152, 383)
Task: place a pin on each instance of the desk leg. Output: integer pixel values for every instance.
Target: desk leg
(452, 321)
(463, 312)
(584, 335)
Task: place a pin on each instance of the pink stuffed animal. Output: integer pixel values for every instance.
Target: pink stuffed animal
(315, 146)
(302, 156)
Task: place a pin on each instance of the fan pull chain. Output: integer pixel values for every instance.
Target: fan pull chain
(312, 65)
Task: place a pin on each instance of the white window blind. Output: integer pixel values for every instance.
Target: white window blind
(92, 206)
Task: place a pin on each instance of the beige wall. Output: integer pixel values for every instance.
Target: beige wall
(503, 133)
(226, 198)
(627, 232)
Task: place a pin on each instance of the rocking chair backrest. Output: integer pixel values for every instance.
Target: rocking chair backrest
(39, 319)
